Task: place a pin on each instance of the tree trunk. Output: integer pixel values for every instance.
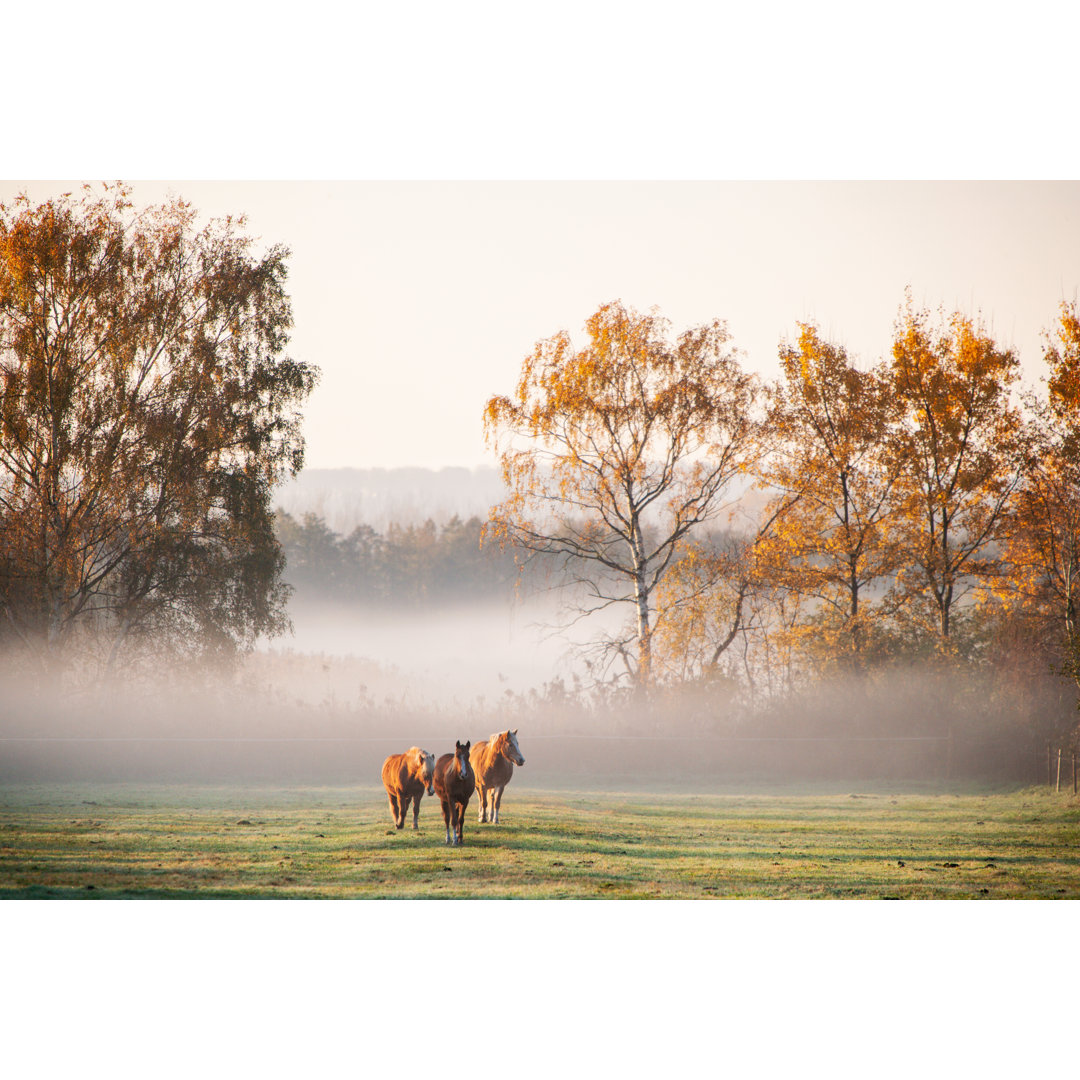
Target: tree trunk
(644, 633)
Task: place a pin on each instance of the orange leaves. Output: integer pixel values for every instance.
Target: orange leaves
(952, 376)
(963, 446)
(835, 465)
(615, 451)
(1063, 355)
(900, 488)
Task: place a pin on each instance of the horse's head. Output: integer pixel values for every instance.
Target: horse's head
(508, 747)
(426, 762)
(461, 757)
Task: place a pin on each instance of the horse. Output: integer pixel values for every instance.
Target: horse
(405, 776)
(455, 782)
(493, 760)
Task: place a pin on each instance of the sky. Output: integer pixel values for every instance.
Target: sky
(456, 182)
(419, 299)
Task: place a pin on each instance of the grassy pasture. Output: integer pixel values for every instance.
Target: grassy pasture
(189, 841)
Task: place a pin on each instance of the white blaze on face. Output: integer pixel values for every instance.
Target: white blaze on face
(518, 759)
(429, 771)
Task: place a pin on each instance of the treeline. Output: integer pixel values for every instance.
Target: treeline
(916, 512)
(409, 565)
(919, 512)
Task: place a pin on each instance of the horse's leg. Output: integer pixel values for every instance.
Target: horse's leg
(405, 800)
(394, 809)
(416, 810)
(446, 818)
(496, 802)
(482, 812)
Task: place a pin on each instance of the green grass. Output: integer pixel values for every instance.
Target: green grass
(177, 841)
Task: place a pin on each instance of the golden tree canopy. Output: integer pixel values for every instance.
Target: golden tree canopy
(963, 444)
(614, 452)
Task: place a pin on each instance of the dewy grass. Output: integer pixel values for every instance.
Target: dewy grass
(181, 842)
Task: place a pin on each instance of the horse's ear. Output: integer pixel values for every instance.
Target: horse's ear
(515, 731)
(468, 744)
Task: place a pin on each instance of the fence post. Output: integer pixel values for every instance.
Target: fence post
(1057, 783)
(1074, 771)
(1049, 765)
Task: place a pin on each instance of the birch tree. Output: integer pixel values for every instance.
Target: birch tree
(616, 452)
(147, 408)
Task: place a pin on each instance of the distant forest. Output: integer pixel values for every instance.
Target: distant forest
(347, 498)
(410, 565)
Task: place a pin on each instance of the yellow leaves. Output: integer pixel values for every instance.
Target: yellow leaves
(608, 431)
(952, 374)
(1062, 354)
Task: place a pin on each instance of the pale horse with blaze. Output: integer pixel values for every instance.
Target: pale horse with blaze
(493, 761)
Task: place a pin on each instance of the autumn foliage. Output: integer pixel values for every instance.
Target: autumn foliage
(906, 512)
(614, 453)
(147, 408)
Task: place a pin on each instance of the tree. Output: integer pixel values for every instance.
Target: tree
(147, 411)
(1042, 534)
(615, 453)
(835, 468)
(705, 599)
(963, 445)
(317, 560)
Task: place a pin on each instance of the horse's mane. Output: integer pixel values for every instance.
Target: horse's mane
(489, 751)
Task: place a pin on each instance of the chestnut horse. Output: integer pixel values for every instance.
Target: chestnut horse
(493, 761)
(405, 776)
(455, 783)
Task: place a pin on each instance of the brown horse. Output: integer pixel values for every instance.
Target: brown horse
(405, 776)
(455, 783)
(493, 761)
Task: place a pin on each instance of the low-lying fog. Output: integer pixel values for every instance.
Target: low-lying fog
(353, 685)
(442, 654)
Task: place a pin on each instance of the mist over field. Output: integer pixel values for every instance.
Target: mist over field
(352, 687)
(464, 654)
(443, 655)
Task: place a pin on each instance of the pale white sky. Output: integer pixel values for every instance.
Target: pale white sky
(418, 300)
(560, 159)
